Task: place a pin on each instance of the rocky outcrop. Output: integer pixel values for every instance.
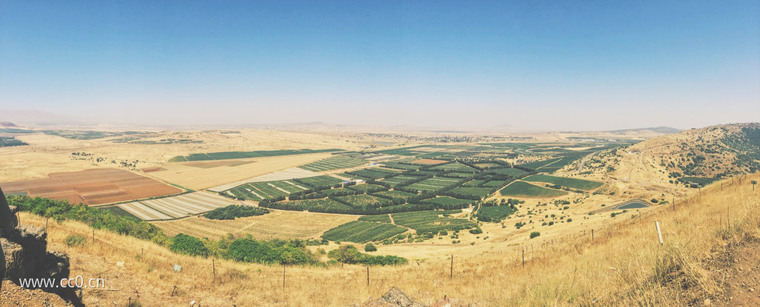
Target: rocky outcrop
(24, 251)
(394, 298)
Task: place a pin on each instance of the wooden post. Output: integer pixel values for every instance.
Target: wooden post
(728, 217)
(523, 257)
(659, 234)
(174, 290)
(93, 235)
(592, 235)
(283, 277)
(142, 251)
(451, 270)
(46, 222)
(213, 268)
(367, 276)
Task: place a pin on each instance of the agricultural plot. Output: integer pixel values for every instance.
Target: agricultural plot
(472, 192)
(92, 187)
(454, 166)
(433, 184)
(363, 232)
(494, 213)
(401, 179)
(539, 164)
(431, 222)
(565, 182)
(512, 172)
(175, 207)
(246, 154)
(370, 174)
(524, 189)
(367, 188)
(291, 173)
(379, 218)
(318, 181)
(401, 166)
(334, 163)
(395, 195)
(362, 200)
(316, 205)
(259, 191)
(446, 202)
(9, 141)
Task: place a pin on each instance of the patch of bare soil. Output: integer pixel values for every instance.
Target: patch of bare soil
(735, 267)
(15, 296)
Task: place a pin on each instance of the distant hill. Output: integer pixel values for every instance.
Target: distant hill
(713, 151)
(658, 130)
(7, 124)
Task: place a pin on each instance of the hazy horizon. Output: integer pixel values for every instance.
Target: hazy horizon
(521, 65)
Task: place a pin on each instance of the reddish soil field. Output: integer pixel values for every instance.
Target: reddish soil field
(92, 187)
(429, 161)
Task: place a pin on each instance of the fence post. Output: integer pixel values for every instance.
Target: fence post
(283, 277)
(213, 268)
(659, 234)
(592, 235)
(367, 276)
(523, 257)
(451, 270)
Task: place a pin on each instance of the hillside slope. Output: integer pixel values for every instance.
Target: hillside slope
(622, 265)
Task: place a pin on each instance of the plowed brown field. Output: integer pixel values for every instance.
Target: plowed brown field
(92, 187)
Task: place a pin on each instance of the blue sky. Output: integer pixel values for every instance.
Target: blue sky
(558, 65)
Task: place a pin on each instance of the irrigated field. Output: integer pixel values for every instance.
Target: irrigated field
(363, 232)
(176, 206)
(565, 182)
(277, 224)
(334, 163)
(245, 154)
(524, 189)
(92, 187)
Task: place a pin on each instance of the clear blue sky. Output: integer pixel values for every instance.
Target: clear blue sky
(524, 64)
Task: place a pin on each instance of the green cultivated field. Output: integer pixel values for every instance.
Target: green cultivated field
(246, 154)
(494, 214)
(455, 166)
(367, 188)
(380, 218)
(363, 232)
(524, 189)
(334, 163)
(400, 195)
(370, 173)
(513, 172)
(431, 222)
(446, 202)
(566, 182)
(318, 181)
(472, 192)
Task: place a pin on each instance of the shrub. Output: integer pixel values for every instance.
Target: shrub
(75, 240)
(476, 231)
(188, 245)
(370, 247)
(534, 234)
(654, 200)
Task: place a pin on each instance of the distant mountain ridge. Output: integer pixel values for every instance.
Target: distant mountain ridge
(660, 130)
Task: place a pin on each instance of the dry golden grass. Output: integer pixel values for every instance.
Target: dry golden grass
(624, 265)
(277, 224)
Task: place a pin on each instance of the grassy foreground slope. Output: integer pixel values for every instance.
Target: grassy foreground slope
(624, 265)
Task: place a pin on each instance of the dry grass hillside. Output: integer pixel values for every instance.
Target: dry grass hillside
(711, 243)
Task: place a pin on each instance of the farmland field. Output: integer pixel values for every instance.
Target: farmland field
(401, 179)
(246, 154)
(565, 182)
(291, 173)
(473, 192)
(318, 181)
(380, 218)
(334, 163)
(433, 184)
(447, 202)
(514, 172)
(395, 194)
(524, 189)
(363, 232)
(454, 166)
(431, 222)
(371, 173)
(362, 200)
(277, 224)
(176, 206)
(92, 187)
(494, 213)
(367, 188)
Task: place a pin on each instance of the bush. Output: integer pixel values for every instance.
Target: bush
(188, 245)
(75, 240)
(349, 254)
(370, 247)
(654, 200)
(232, 211)
(476, 231)
(534, 234)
